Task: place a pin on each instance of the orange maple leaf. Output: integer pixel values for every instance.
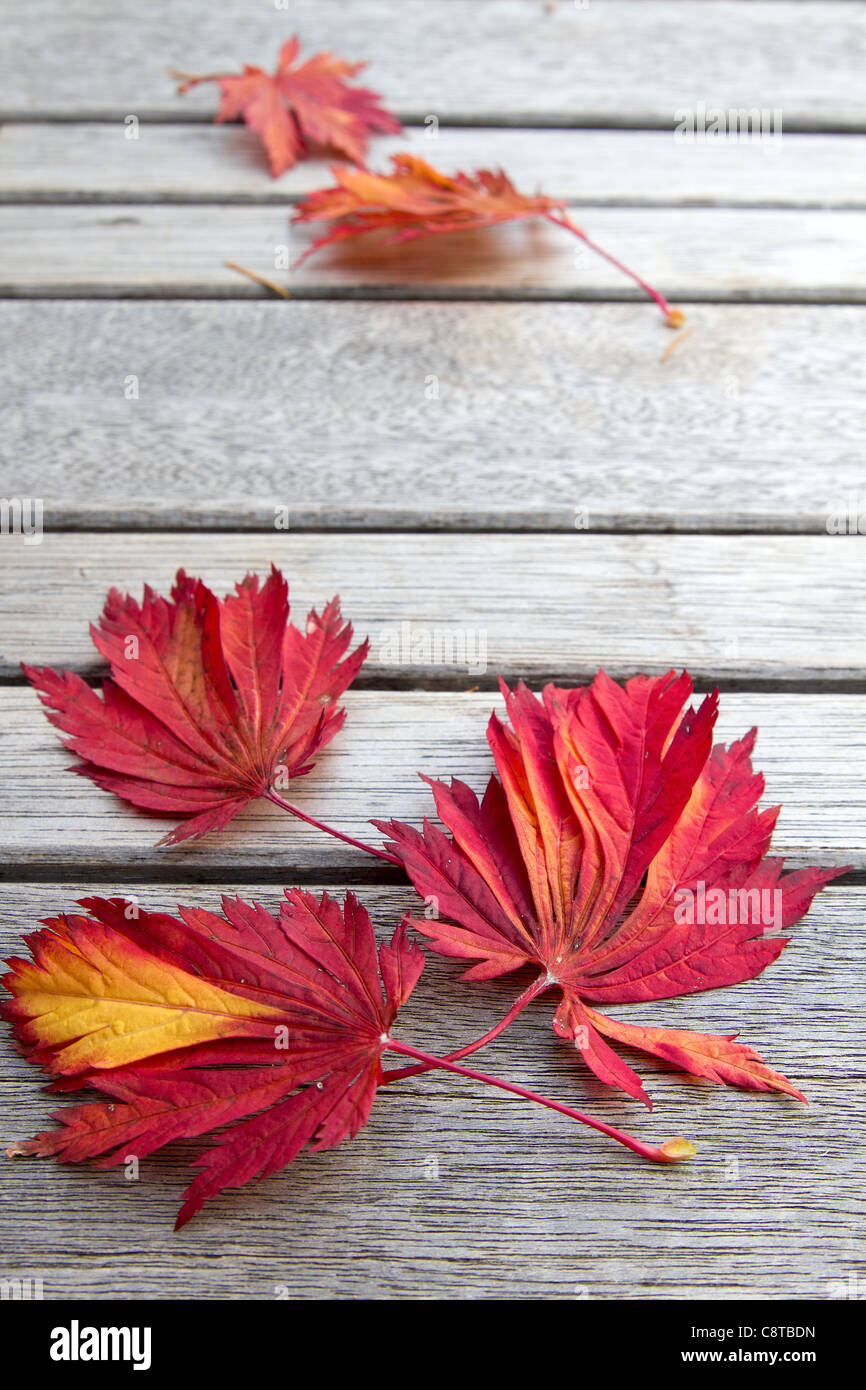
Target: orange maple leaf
(418, 200)
(299, 107)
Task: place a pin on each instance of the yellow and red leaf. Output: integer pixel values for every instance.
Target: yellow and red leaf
(193, 1022)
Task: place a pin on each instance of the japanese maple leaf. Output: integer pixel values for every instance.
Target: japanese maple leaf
(273, 1025)
(621, 854)
(208, 702)
(311, 104)
(417, 200)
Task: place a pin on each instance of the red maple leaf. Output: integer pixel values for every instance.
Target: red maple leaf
(299, 107)
(273, 1025)
(209, 702)
(284, 1020)
(624, 856)
(417, 200)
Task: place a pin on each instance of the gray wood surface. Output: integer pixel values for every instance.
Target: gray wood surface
(329, 407)
(805, 256)
(518, 61)
(57, 161)
(811, 749)
(525, 1204)
(776, 609)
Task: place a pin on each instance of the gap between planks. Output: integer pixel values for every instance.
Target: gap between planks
(701, 254)
(95, 163)
(519, 60)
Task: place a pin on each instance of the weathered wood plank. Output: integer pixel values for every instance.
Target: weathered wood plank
(617, 62)
(688, 253)
(54, 162)
(514, 415)
(456, 1192)
(812, 750)
(520, 1206)
(737, 608)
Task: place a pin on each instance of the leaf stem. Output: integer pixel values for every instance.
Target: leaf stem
(271, 795)
(402, 1073)
(258, 279)
(675, 317)
(671, 1152)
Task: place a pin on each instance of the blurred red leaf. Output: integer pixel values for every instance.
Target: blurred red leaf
(417, 200)
(296, 108)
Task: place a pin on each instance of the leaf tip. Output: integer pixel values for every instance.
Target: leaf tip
(676, 1149)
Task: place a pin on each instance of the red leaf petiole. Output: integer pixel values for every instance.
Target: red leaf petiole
(329, 830)
(675, 317)
(402, 1073)
(537, 987)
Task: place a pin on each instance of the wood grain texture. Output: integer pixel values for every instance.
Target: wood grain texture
(688, 253)
(756, 421)
(811, 749)
(524, 60)
(524, 1204)
(769, 608)
(377, 415)
(94, 161)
